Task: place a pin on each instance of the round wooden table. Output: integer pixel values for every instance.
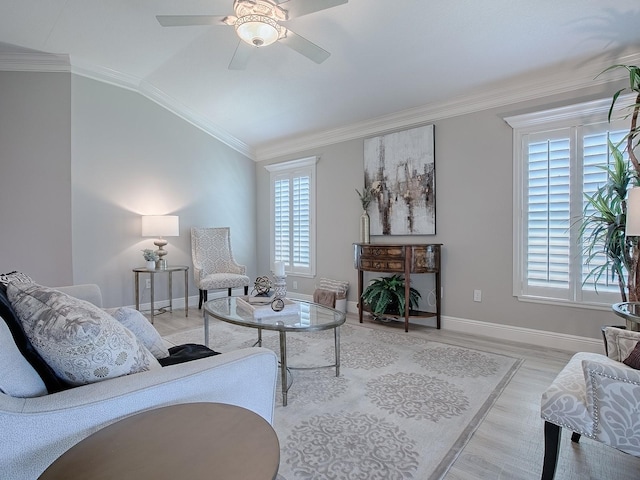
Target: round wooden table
(191, 440)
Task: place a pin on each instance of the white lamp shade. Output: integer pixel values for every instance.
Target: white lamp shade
(160, 226)
(633, 213)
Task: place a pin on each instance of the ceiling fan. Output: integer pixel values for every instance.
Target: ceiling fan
(257, 23)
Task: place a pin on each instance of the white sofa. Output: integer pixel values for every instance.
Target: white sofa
(36, 431)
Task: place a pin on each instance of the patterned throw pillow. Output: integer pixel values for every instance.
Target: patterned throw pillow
(338, 286)
(633, 360)
(80, 342)
(14, 276)
(141, 328)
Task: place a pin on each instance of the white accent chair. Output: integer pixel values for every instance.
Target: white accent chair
(595, 396)
(214, 267)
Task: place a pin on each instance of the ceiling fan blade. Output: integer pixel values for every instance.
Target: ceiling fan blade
(298, 8)
(241, 56)
(190, 20)
(304, 47)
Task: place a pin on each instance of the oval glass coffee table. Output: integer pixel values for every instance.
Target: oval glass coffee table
(306, 317)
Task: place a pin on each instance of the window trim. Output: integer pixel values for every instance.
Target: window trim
(290, 167)
(574, 118)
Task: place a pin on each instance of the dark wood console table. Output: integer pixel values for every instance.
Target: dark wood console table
(399, 258)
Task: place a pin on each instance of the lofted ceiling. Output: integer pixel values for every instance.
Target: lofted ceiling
(390, 60)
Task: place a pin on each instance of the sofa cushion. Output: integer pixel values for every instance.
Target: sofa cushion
(30, 354)
(141, 328)
(17, 377)
(80, 342)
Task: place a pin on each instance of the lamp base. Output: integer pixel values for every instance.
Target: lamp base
(161, 264)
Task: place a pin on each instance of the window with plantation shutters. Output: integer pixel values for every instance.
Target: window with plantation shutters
(292, 211)
(560, 156)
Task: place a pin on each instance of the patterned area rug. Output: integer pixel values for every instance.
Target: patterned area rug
(402, 408)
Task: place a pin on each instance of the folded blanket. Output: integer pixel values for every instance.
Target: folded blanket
(325, 297)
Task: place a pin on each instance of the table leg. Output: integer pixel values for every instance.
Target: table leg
(259, 337)
(186, 293)
(206, 329)
(283, 366)
(153, 289)
(171, 292)
(137, 287)
(336, 333)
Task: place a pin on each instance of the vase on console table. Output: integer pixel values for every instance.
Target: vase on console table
(364, 227)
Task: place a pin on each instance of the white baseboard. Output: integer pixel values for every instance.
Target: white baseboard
(540, 338)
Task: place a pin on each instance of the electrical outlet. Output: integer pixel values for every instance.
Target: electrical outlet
(477, 295)
(148, 283)
(295, 285)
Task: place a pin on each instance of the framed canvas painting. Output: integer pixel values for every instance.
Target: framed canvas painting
(399, 169)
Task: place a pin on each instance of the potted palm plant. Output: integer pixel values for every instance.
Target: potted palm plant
(385, 295)
(606, 225)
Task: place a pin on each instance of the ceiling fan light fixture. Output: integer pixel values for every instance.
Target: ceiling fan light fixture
(257, 30)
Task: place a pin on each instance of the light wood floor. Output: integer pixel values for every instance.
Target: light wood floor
(509, 443)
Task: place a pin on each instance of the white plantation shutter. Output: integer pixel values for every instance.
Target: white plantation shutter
(301, 203)
(282, 219)
(292, 211)
(596, 155)
(558, 158)
(548, 214)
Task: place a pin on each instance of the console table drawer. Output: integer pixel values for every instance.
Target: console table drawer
(382, 265)
(382, 251)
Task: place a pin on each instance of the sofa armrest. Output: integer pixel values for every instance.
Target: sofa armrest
(89, 292)
(245, 377)
(612, 393)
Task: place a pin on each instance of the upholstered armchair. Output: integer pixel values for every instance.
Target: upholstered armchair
(214, 267)
(596, 396)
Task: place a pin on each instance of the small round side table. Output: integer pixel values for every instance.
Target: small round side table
(198, 441)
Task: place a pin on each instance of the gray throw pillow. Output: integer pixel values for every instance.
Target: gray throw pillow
(80, 342)
(141, 328)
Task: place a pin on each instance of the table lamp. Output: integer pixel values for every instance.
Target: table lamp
(632, 228)
(160, 226)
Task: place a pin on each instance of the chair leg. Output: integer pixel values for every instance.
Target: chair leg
(552, 434)
(200, 300)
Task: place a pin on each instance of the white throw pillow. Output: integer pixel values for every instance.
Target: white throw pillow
(80, 342)
(141, 328)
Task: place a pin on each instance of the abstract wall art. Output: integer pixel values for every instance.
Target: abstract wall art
(399, 169)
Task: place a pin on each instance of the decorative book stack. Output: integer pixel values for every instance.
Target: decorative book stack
(261, 298)
(263, 311)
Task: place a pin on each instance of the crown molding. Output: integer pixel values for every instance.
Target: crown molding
(47, 62)
(34, 62)
(156, 95)
(564, 79)
(196, 119)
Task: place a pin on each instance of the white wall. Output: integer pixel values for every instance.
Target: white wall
(474, 199)
(132, 157)
(35, 175)
(83, 160)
